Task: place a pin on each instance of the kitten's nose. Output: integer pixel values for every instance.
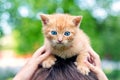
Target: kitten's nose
(60, 41)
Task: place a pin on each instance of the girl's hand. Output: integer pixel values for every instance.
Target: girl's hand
(39, 56)
(31, 66)
(94, 64)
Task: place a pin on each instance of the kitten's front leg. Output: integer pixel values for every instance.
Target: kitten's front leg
(49, 61)
(81, 66)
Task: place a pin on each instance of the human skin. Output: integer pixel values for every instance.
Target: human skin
(94, 64)
(31, 66)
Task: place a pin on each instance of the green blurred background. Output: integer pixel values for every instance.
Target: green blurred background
(20, 20)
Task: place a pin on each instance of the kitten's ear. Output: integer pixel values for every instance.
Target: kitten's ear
(77, 20)
(44, 19)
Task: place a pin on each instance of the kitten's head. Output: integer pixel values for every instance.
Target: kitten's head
(60, 29)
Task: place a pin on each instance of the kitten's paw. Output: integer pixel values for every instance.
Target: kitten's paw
(83, 69)
(48, 63)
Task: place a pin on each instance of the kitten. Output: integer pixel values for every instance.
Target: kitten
(64, 39)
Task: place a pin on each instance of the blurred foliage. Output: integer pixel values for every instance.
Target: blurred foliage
(7, 73)
(30, 38)
(114, 75)
(111, 30)
(1, 32)
(104, 33)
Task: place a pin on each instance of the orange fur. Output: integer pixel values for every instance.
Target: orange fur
(76, 43)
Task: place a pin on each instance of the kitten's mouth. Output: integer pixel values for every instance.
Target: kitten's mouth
(59, 43)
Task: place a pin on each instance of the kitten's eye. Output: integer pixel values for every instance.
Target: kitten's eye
(67, 33)
(53, 32)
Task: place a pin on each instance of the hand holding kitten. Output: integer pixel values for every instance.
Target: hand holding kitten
(94, 64)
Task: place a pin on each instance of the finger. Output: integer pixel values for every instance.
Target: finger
(39, 51)
(91, 67)
(92, 52)
(95, 57)
(90, 60)
(43, 56)
(97, 62)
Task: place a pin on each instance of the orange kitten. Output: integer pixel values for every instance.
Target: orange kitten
(64, 39)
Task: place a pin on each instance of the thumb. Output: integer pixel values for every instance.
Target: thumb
(91, 67)
(43, 56)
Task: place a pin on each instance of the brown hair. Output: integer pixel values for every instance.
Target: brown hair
(62, 70)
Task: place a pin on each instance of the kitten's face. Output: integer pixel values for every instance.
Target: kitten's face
(60, 29)
(60, 35)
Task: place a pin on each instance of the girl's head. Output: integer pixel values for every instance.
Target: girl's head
(62, 70)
